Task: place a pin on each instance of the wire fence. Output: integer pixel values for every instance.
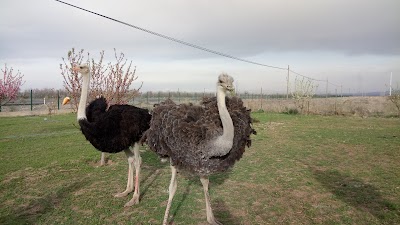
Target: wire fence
(34, 102)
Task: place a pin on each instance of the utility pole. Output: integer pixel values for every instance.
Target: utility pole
(390, 84)
(287, 83)
(261, 99)
(327, 83)
(341, 90)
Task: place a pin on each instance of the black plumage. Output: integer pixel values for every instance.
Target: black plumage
(118, 128)
(115, 129)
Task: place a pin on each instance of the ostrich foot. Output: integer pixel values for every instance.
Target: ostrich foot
(122, 194)
(214, 222)
(133, 201)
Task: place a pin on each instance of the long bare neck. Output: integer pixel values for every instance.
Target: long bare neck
(84, 95)
(223, 144)
(226, 119)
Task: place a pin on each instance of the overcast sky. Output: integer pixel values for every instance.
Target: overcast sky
(354, 43)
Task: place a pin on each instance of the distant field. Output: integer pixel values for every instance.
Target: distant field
(300, 170)
(376, 106)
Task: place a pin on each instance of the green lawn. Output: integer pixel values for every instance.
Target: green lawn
(299, 170)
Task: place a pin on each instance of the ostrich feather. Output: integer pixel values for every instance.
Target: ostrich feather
(115, 129)
(182, 132)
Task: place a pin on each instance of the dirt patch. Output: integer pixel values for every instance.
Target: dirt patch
(37, 112)
(107, 162)
(28, 174)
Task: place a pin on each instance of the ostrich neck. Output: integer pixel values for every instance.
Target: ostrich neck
(84, 95)
(223, 143)
(226, 119)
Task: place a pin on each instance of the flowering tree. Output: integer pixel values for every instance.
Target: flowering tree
(111, 81)
(72, 81)
(118, 81)
(9, 85)
(304, 90)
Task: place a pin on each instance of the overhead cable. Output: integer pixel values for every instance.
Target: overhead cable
(173, 39)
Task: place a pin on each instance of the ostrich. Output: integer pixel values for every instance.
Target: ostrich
(114, 130)
(200, 140)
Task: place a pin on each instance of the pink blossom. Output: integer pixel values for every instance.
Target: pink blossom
(9, 85)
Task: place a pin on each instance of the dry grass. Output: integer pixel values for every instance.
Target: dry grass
(347, 106)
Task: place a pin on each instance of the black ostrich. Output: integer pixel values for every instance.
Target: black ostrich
(114, 130)
(201, 140)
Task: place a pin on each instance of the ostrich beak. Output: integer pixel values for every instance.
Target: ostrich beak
(66, 100)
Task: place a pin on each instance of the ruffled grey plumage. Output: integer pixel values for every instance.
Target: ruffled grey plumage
(184, 133)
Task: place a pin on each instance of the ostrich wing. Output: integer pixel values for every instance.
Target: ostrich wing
(117, 128)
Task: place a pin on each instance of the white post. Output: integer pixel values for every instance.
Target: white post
(390, 85)
(44, 101)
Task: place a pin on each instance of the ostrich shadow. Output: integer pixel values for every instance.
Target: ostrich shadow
(148, 181)
(360, 195)
(29, 214)
(222, 214)
(218, 205)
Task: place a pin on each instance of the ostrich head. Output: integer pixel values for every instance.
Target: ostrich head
(83, 69)
(225, 82)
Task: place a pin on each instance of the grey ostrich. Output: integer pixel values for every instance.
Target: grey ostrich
(113, 130)
(200, 140)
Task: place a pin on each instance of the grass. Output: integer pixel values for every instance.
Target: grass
(299, 170)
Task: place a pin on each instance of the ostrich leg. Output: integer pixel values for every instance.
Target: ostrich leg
(137, 162)
(210, 216)
(172, 190)
(134, 160)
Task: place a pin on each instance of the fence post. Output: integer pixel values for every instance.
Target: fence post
(341, 90)
(58, 100)
(31, 101)
(261, 99)
(287, 83)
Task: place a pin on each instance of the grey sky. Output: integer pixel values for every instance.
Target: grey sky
(352, 43)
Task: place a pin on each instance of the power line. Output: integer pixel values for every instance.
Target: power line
(189, 44)
(334, 84)
(173, 39)
(306, 76)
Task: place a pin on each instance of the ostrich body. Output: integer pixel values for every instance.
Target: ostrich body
(114, 130)
(201, 140)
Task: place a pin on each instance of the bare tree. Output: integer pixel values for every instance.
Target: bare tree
(304, 90)
(395, 99)
(9, 85)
